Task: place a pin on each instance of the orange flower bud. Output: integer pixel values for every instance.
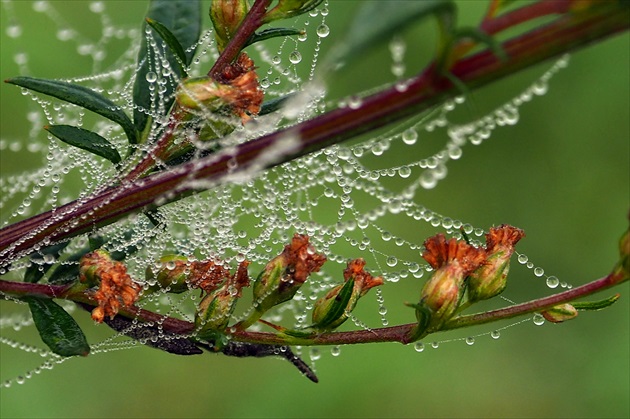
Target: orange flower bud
(453, 261)
(490, 279)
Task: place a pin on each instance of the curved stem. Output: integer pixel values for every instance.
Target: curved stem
(564, 34)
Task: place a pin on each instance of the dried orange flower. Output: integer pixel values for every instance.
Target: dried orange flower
(246, 96)
(116, 288)
(301, 258)
(362, 278)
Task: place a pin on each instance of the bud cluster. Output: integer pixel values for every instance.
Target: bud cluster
(116, 287)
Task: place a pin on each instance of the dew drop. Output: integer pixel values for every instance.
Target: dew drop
(435, 345)
(410, 136)
(392, 261)
(20, 379)
(295, 57)
(470, 340)
(323, 30)
(151, 77)
(428, 180)
(14, 31)
(538, 319)
(335, 351)
(276, 59)
(553, 282)
(418, 346)
(315, 354)
(404, 172)
(495, 334)
(522, 259)
(539, 271)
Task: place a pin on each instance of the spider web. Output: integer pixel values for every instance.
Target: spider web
(356, 199)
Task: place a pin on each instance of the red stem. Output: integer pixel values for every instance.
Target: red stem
(250, 24)
(386, 334)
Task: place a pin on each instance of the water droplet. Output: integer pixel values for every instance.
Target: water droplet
(410, 136)
(276, 59)
(151, 77)
(391, 261)
(553, 282)
(14, 31)
(522, 259)
(539, 271)
(404, 172)
(315, 354)
(538, 319)
(428, 180)
(418, 346)
(335, 351)
(295, 57)
(435, 345)
(20, 379)
(97, 7)
(323, 30)
(495, 334)
(382, 310)
(470, 340)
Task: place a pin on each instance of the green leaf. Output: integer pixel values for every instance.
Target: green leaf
(272, 33)
(182, 18)
(273, 105)
(596, 305)
(57, 328)
(377, 21)
(80, 96)
(36, 271)
(172, 42)
(85, 140)
(338, 307)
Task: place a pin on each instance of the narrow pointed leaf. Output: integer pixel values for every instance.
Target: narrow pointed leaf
(339, 306)
(36, 270)
(182, 18)
(171, 41)
(273, 105)
(377, 21)
(85, 140)
(80, 96)
(272, 33)
(57, 328)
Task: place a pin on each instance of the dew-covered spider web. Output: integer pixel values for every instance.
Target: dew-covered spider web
(356, 199)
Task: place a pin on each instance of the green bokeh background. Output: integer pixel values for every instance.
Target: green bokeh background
(561, 174)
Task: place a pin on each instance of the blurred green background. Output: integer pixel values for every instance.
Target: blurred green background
(561, 174)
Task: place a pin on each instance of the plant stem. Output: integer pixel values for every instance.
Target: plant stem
(386, 334)
(250, 24)
(568, 32)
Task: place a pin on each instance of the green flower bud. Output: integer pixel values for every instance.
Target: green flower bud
(226, 16)
(173, 274)
(216, 308)
(560, 313)
(333, 309)
(283, 276)
(289, 8)
(201, 93)
(453, 261)
(490, 279)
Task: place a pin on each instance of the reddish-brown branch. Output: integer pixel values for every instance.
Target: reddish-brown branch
(399, 333)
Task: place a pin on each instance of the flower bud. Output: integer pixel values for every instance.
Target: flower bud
(216, 308)
(172, 274)
(226, 16)
(453, 261)
(116, 288)
(490, 279)
(560, 313)
(333, 309)
(286, 273)
(238, 92)
(289, 8)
